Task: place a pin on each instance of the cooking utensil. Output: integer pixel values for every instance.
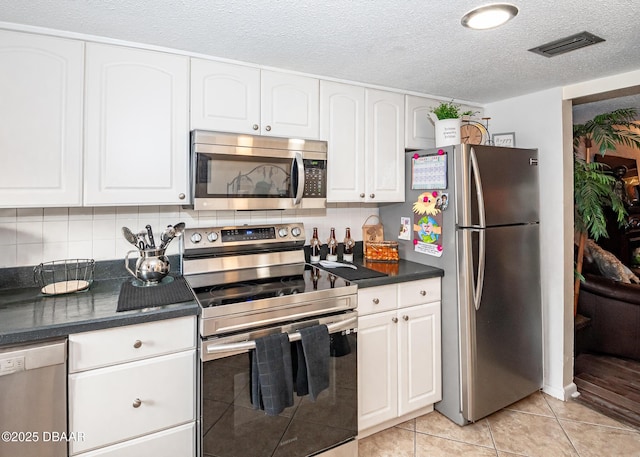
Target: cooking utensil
(179, 229)
(167, 235)
(129, 236)
(152, 242)
(142, 238)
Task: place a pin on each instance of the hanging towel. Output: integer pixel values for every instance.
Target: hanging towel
(315, 349)
(271, 374)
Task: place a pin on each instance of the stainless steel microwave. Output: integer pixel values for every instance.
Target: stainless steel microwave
(248, 172)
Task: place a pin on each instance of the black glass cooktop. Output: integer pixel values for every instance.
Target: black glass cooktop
(309, 279)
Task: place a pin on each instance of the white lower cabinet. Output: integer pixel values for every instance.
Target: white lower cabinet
(134, 406)
(399, 353)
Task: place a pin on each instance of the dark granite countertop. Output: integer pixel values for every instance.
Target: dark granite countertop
(26, 315)
(402, 271)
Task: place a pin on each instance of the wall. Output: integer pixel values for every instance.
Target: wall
(31, 236)
(537, 120)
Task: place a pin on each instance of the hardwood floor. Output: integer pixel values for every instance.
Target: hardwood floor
(609, 385)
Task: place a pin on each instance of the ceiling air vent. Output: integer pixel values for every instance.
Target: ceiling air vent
(570, 43)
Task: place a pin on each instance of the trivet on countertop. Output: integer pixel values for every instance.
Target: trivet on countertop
(354, 275)
(137, 297)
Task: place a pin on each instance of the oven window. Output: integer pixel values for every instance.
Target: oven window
(232, 427)
(242, 177)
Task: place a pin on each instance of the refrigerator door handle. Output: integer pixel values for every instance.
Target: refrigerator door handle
(477, 293)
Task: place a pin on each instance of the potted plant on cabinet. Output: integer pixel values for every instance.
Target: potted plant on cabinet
(593, 182)
(447, 120)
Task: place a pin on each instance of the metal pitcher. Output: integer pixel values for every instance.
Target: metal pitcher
(151, 267)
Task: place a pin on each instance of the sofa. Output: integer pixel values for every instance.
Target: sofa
(614, 310)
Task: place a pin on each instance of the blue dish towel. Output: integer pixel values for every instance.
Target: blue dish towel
(312, 375)
(271, 374)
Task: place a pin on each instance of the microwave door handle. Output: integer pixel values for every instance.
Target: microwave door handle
(297, 178)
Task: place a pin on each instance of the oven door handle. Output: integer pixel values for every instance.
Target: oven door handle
(295, 336)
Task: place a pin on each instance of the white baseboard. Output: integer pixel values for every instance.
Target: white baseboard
(569, 391)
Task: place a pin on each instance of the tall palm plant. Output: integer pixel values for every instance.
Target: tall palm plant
(593, 183)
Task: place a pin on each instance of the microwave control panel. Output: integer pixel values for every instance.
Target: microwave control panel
(315, 178)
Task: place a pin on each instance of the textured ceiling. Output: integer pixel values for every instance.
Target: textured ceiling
(415, 45)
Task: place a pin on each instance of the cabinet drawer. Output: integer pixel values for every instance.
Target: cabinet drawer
(113, 404)
(133, 342)
(177, 441)
(376, 299)
(419, 292)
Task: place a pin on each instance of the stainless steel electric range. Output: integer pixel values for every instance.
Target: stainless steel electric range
(252, 281)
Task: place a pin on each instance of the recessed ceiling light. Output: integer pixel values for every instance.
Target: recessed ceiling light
(489, 16)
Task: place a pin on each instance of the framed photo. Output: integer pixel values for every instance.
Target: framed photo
(507, 140)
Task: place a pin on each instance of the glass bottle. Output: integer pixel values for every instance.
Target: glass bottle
(349, 244)
(315, 245)
(332, 246)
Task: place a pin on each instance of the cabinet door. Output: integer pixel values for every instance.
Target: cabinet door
(384, 146)
(377, 369)
(137, 130)
(342, 126)
(131, 399)
(419, 366)
(289, 105)
(420, 132)
(225, 97)
(41, 90)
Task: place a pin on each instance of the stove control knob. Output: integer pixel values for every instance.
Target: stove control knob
(283, 232)
(213, 236)
(295, 231)
(196, 238)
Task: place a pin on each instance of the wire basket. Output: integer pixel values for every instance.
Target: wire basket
(64, 276)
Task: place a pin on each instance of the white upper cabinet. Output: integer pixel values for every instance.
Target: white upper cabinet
(342, 125)
(224, 97)
(420, 133)
(364, 129)
(289, 105)
(234, 98)
(41, 89)
(384, 145)
(136, 127)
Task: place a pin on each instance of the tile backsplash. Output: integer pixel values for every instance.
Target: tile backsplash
(34, 235)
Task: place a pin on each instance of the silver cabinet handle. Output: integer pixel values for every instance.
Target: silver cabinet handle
(405, 318)
(182, 196)
(372, 196)
(376, 301)
(394, 320)
(255, 126)
(268, 128)
(362, 195)
(136, 403)
(423, 292)
(137, 344)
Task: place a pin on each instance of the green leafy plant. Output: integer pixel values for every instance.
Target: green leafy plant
(593, 183)
(447, 110)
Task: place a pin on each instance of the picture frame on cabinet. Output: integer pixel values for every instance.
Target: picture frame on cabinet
(507, 140)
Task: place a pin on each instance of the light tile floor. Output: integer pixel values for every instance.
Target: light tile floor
(538, 426)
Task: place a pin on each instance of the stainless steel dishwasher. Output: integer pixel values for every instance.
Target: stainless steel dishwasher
(33, 395)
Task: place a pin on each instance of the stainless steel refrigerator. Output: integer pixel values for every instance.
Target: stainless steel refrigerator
(487, 242)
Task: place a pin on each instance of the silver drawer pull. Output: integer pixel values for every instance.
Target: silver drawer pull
(423, 292)
(376, 301)
(137, 402)
(137, 344)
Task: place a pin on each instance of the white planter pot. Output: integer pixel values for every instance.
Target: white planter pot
(447, 132)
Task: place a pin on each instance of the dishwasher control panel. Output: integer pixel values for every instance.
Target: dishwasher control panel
(11, 365)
